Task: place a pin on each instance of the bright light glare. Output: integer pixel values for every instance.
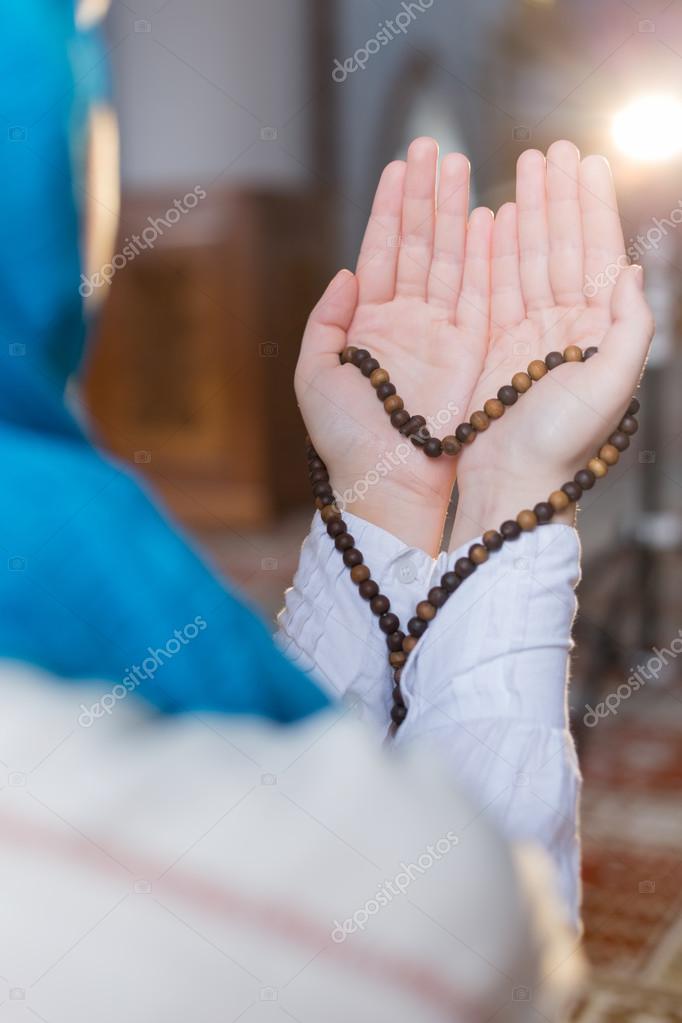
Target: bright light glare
(649, 128)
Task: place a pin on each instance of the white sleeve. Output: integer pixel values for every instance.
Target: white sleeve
(487, 684)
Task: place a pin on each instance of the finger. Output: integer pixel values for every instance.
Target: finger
(604, 248)
(378, 259)
(531, 202)
(618, 365)
(506, 304)
(565, 225)
(452, 209)
(473, 306)
(418, 219)
(324, 337)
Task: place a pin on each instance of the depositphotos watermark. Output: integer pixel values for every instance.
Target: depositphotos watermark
(642, 674)
(387, 890)
(388, 31)
(141, 672)
(137, 243)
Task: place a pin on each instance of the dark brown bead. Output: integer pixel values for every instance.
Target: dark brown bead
(544, 512)
(389, 622)
(449, 581)
(394, 403)
(433, 448)
(493, 540)
(348, 353)
(316, 464)
(367, 366)
(464, 567)
(379, 377)
(573, 354)
(589, 352)
(323, 491)
(521, 382)
(493, 408)
(478, 553)
(360, 574)
(438, 596)
(479, 421)
(465, 433)
(510, 530)
(620, 440)
(368, 589)
(537, 369)
(335, 527)
(507, 395)
(397, 659)
(628, 425)
(426, 611)
(399, 418)
(385, 391)
(359, 356)
(451, 446)
(633, 407)
(398, 714)
(413, 424)
(527, 519)
(352, 557)
(320, 476)
(397, 695)
(380, 604)
(573, 491)
(420, 437)
(417, 627)
(344, 542)
(553, 360)
(395, 640)
(585, 479)
(397, 675)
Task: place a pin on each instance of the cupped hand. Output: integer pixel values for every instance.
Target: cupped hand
(419, 303)
(563, 232)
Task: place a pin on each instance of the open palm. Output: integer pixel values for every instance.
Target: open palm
(419, 303)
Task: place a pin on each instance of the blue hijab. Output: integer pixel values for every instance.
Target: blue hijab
(94, 581)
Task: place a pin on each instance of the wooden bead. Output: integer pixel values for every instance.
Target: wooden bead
(417, 627)
(585, 478)
(465, 433)
(537, 369)
(420, 437)
(633, 407)
(553, 360)
(544, 512)
(559, 500)
(368, 589)
(426, 611)
(329, 512)
(609, 454)
(348, 353)
(433, 448)
(324, 491)
(359, 356)
(493, 540)
(598, 467)
(493, 408)
(527, 520)
(413, 425)
(367, 366)
(589, 352)
(478, 553)
(389, 622)
(620, 440)
(510, 530)
(628, 425)
(409, 643)
(464, 567)
(335, 527)
(399, 418)
(320, 504)
(573, 354)
(397, 659)
(573, 491)
(352, 557)
(451, 446)
(321, 476)
(437, 596)
(450, 581)
(385, 391)
(521, 382)
(398, 714)
(360, 574)
(394, 403)
(380, 604)
(479, 421)
(397, 675)
(379, 376)
(394, 641)
(507, 395)
(344, 542)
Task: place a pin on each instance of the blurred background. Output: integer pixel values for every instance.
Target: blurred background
(277, 115)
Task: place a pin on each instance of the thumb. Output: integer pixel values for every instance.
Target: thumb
(623, 351)
(324, 337)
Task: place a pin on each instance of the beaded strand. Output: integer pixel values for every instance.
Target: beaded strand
(400, 645)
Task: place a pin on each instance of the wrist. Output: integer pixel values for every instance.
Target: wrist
(416, 520)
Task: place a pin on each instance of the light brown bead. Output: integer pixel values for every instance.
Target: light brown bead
(598, 467)
(537, 369)
(319, 503)
(478, 553)
(493, 408)
(378, 377)
(425, 610)
(521, 382)
(451, 446)
(409, 643)
(559, 500)
(359, 574)
(609, 454)
(527, 519)
(348, 353)
(573, 354)
(479, 421)
(330, 511)
(394, 404)
(397, 660)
